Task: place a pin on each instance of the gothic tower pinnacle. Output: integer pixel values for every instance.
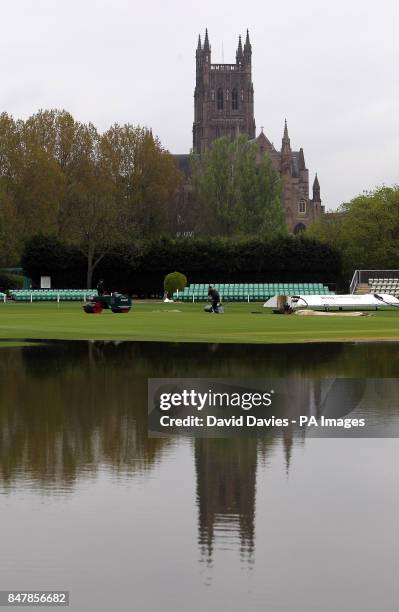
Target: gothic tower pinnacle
(247, 46)
(239, 54)
(316, 190)
(286, 144)
(206, 41)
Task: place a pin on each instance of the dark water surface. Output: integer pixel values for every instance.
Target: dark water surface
(90, 504)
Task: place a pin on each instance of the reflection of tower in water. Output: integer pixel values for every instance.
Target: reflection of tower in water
(226, 471)
(226, 488)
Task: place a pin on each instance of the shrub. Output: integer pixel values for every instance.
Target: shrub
(175, 281)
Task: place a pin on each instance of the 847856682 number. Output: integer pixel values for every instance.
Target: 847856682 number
(34, 598)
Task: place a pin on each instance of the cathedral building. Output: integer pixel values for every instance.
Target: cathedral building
(224, 106)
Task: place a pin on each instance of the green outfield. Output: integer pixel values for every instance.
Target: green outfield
(155, 321)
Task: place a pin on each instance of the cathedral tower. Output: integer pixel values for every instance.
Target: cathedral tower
(224, 96)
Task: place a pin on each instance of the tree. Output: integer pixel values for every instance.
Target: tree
(146, 178)
(9, 151)
(93, 220)
(175, 281)
(270, 190)
(365, 230)
(8, 230)
(31, 185)
(38, 191)
(57, 133)
(237, 190)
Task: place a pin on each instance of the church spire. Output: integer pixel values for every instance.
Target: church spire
(285, 130)
(206, 41)
(286, 145)
(247, 46)
(239, 54)
(247, 50)
(316, 190)
(199, 43)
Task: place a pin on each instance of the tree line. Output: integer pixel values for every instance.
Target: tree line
(64, 178)
(90, 191)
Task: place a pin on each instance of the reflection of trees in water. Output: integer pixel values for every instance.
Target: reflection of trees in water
(68, 408)
(64, 412)
(255, 360)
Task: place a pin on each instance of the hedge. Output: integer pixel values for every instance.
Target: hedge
(140, 268)
(10, 281)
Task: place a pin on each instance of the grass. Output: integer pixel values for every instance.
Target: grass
(155, 321)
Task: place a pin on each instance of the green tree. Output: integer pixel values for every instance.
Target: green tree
(269, 199)
(9, 252)
(39, 191)
(237, 190)
(365, 230)
(146, 178)
(31, 186)
(93, 220)
(57, 133)
(174, 281)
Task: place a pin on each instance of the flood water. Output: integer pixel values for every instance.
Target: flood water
(90, 504)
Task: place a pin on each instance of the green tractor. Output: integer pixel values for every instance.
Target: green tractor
(117, 302)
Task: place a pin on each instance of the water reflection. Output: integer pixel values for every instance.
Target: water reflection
(68, 410)
(226, 489)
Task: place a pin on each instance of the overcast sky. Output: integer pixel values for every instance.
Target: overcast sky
(331, 68)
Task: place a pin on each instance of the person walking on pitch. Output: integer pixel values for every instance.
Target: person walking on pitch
(215, 297)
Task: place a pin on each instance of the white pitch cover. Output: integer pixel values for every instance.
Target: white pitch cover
(337, 301)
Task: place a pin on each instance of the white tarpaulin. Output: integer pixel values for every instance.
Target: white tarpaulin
(368, 300)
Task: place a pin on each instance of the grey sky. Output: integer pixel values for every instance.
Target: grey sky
(331, 68)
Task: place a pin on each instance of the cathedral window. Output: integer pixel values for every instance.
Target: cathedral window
(213, 94)
(302, 207)
(220, 99)
(227, 94)
(234, 99)
(242, 95)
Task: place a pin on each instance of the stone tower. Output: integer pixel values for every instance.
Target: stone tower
(224, 106)
(224, 96)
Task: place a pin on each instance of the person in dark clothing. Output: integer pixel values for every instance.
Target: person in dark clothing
(215, 297)
(100, 287)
